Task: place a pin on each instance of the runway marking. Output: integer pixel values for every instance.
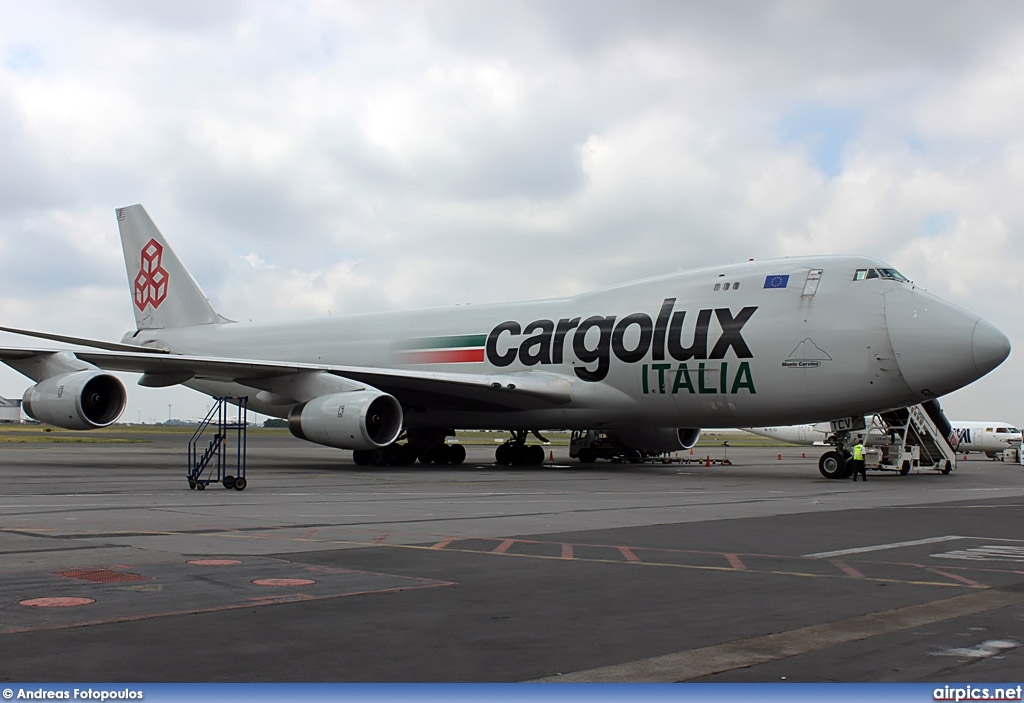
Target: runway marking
(655, 557)
(56, 602)
(955, 577)
(986, 552)
(628, 554)
(283, 582)
(705, 661)
(881, 547)
(504, 546)
(735, 562)
(850, 571)
(101, 575)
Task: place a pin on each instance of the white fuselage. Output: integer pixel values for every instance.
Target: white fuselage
(717, 347)
(992, 438)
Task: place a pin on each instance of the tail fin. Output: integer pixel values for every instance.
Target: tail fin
(164, 294)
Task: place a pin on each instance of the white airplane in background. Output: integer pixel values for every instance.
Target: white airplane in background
(651, 361)
(991, 437)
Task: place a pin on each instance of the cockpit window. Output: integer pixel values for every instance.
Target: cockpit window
(887, 274)
(1007, 430)
(893, 275)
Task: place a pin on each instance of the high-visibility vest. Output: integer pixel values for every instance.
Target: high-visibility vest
(858, 452)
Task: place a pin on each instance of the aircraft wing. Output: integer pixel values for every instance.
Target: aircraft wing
(513, 391)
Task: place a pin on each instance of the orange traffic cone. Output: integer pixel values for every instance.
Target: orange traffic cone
(779, 457)
(551, 455)
(691, 451)
(803, 455)
(707, 462)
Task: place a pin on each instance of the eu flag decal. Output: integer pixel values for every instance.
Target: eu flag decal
(776, 281)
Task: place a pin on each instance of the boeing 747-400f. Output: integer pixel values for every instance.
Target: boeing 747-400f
(653, 361)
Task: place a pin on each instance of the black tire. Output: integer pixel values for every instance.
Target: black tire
(457, 454)
(503, 455)
(535, 455)
(228, 482)
(947, 467)
(200, 486)
(361, 457)
(834, 465)
(191, 483)
(905, 468)
(586, 456)
(240, 483)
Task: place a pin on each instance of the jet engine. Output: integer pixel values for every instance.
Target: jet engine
(656, 440)
(83, 400)
(366, 419)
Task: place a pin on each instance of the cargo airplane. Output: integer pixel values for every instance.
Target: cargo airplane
(991, 438)
(651, 362)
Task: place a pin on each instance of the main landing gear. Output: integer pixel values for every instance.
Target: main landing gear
(516, 452)
(425, 446)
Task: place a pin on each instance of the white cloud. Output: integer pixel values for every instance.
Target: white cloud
(315, 157)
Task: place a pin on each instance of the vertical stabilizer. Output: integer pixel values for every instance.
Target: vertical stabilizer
(164, 294)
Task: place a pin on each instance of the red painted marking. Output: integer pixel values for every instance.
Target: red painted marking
(504, 546)
(101, 575)
(214, 562)
(955, 577)
(445, 356)
(444, 543)
(566, 551)
(735, 562)
(283, 582)
(309, 534)
(55, 602)
(628, 553)
(848, 570)
(381, 539)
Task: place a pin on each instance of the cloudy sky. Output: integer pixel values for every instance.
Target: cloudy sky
(313, 158)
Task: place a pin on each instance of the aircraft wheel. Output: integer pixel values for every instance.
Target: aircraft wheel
(535, 455)
(905, 468)
(833, 465)
(503, 454)
(361, 457)
(456, 454)
(228, 482)
(405, 455)
(240, 483)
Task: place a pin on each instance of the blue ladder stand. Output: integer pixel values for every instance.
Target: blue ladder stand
(218, 449)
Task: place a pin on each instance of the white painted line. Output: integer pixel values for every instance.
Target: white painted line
(881, 547)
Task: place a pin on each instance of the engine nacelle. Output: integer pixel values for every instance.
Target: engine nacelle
(83, 400)
(658, 439)
(365, 419)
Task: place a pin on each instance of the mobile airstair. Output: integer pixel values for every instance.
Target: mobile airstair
(918, 437)
(220, 457)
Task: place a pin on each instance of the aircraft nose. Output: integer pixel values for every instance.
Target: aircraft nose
(939, 346)
(990, 347)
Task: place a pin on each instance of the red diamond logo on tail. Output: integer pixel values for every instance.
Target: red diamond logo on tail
(151, 283)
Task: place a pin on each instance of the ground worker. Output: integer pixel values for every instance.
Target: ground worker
(858, 462)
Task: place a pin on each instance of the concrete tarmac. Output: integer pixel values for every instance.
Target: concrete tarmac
(112, 570)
